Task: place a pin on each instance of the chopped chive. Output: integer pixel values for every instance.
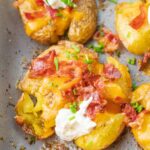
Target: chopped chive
(87, 60)
(132, 61)
(114, 1)
(68, 54)
(59, 14)
(134, 86)
(118, 53)
(71, 118)
(73, 107)
(137, 107)
(90, 46)
(77, 49)
(69, 3)
(56, 63)
(99, 48)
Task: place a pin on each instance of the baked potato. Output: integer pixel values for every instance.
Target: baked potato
(68, 73)
(47, 25)
(141, 132)
(132, 25)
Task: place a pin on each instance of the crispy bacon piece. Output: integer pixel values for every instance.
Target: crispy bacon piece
(111, 72)
(138, 21)
(145, 60)
(43, 66)
(34, 15)
(40, 2)
(97, 105)
(108, 39)
(52, 12)
(130, 113)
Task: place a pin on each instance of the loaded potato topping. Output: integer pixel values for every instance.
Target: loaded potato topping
(67, 91)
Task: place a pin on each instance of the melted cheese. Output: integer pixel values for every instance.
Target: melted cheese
(70, 125)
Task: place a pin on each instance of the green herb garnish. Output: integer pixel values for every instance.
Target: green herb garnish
(90, 46)
(137, 107)
(87, 60)
(69, 3)
(118, 53)
(68, 54)
(99, 48)
(132, 61)
(77, 49)
(73, 107)
(56, 63)
(59, 14)
(134, 86)
(114, 1)
(71, 118)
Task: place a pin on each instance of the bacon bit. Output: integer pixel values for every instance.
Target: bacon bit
(69, 9)
(110, 40)
(138, 21)
(130, 113)
(111, 72)
(43, 66)
(40, 2)
(97, 105)
(145, 60)
(34, 15)
(51, 11)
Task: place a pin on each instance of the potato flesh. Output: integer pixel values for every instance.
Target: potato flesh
(136, 41)
(109, 126)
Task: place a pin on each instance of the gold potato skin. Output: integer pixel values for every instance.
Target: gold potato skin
(82, 28)
(141, 134)
(109, 127)
(136, 41)
(81, 23)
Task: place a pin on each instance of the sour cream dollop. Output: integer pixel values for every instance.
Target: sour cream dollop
(55, 4)
(70, 125)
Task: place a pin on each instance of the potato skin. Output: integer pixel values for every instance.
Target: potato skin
(81, 29)
(48, 31)
(136, 41)
(142, 95)
(109, 127)
(141, 133)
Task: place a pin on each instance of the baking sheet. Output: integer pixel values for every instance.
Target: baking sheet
(15, 48)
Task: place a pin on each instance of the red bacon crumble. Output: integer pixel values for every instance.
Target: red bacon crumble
(138, 21)
(40, 2)
(34, 15)
(145, 60)
(43, 66)
(111, 41)
(52, 12)
(111, 72)
(129, 112)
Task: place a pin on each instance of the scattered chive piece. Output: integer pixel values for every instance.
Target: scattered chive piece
(69, 3)
(99, 48)
(76, 48)
(113, 1)
(134, 86)
(87, 60)
(128, 35)
(56, 63)
(71, 118)
(59, 14)
(73, 107)
(68, 55)
(132, 61)
(137, 107)
(118, 53)
(90, 46)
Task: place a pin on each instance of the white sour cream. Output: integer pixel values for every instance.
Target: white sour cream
(55, 4)
(70, 125)
(149, 14)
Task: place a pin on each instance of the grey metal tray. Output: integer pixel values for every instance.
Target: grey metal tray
(15, 47)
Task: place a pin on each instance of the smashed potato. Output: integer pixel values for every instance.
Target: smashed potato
(103, 135)
(69, 73)
(132, 25)
(141, 131)
(47, 25)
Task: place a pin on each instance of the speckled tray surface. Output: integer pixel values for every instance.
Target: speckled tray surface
(15, 47)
